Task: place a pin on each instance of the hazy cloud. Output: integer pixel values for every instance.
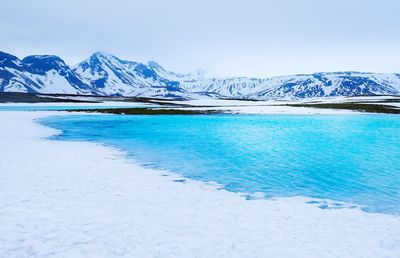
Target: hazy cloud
(226, 37)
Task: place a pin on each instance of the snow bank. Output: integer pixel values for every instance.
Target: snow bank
(104, 104)
(73, 199)
(259, 107)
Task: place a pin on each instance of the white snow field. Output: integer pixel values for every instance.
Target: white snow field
(75, 199)
(228, 106)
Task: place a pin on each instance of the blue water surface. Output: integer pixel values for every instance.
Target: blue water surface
(349, 158)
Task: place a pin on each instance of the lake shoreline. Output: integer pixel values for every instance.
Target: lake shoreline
(79, 198)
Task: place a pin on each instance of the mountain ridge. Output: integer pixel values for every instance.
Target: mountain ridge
(108, 75)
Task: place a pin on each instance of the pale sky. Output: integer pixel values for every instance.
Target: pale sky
(227, 38)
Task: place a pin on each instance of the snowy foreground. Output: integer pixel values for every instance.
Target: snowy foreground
(70, 199)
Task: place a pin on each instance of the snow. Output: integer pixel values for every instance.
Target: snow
(236, 106)
(225, 102)
(106, 74)
(229, 106)
(120, 76)
(76, 199)
(104, 104)
(308, 85)
(15, 86)
(259, 107)
(394, 104)
(289, 110)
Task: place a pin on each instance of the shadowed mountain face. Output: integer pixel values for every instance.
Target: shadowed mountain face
(104, 74)
(40, 73)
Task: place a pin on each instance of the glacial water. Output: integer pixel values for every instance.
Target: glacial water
(348, 158)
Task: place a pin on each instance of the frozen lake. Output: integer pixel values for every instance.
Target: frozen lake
(346, 158)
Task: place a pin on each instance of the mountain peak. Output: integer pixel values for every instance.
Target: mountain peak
(198, 74)
(8, 59)
(4, 55)
(153, 64)
(43, 58)
(102, 55)
(43, 63)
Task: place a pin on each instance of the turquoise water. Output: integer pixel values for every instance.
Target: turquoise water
(55, 108)
(349, 158)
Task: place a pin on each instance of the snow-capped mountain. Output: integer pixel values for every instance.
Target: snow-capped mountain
(114, 76)
(105, 74)
(40, 73)
(300, 86)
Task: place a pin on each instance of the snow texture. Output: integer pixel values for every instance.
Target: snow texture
(105, 74)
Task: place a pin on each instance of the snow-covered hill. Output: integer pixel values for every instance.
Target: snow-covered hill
(300, 86)
(105, 74)
(40, 73)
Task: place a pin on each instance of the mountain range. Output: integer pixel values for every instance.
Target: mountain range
(108, 75)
